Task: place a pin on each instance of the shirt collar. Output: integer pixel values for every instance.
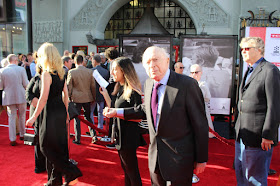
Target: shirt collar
(165, 78)
(256, 64)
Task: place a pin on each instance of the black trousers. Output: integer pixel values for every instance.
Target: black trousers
(158, 180)
(130, 167)
(40, 160)
(77, 125)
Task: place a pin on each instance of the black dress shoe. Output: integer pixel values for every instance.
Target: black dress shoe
(76, 142)
(271, 172)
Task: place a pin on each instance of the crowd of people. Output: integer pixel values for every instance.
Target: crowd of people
(175, 106)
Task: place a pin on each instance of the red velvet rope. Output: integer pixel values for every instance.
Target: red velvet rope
(92, 125)
(220, 138)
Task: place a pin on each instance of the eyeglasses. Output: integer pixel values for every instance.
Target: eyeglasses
(181, 67)
(246, 49)
(196, 72)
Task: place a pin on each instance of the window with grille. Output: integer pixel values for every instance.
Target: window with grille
(173, 18)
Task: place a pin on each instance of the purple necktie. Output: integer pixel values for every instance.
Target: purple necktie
(154, 102)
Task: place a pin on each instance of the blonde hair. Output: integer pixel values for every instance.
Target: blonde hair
(50, 59)
(131, 80)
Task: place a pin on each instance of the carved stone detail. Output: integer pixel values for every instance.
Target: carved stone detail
(48, 31)
(207, 13)
(89, 14)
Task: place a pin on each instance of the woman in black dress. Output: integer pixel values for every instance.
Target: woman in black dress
(126, 133)
(53, 109)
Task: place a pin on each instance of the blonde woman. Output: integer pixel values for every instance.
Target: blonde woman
(126, 133)
(53, 108)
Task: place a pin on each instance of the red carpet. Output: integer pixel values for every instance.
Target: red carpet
(101, 166)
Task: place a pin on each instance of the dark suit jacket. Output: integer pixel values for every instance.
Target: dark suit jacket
(259, 105)
(182, 135)
(105, 74)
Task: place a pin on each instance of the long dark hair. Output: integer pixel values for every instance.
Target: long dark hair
(131, 80)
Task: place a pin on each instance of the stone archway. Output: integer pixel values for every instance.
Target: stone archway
(202, 12)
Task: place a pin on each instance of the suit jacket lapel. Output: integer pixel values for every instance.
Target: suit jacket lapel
(169, 97)
(148, 95)
(254, 74)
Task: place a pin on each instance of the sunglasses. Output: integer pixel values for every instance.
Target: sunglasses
(181, 67)
(246, 49)
(196, 72)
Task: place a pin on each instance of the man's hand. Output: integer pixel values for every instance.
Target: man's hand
(109, 112)
(199, 167)
(266, 144)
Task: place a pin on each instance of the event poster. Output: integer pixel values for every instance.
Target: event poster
(216, 56)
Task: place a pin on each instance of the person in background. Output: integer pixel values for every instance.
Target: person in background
(32, 96)
(67, 64)
(179, 67)
(66, 53)
(111, 54)
(126, 133)
(13, 81)
(32, 65)
(258, 115)
(26, 66)
(104, 62)
(21, 59)
(81, 87)
(99, 101)
(53, 108)
(196, 73)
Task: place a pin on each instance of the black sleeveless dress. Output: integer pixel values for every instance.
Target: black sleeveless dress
(53, 134)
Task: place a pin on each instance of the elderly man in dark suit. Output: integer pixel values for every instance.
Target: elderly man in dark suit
(178, 127)
(258, 118)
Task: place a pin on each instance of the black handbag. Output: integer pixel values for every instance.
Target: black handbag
(30, 139)
(72, 110)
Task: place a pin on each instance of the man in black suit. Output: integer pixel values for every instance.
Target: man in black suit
(99, 101)
(178, 127)
(67, 64)
(258, 119)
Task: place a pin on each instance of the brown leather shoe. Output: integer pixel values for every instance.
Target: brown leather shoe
(13, 143)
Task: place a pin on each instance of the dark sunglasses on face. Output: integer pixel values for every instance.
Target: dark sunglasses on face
(196, 72)
(246, 49)
(181, 67)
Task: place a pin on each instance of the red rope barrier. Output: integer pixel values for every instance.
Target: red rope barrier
(220, 138)
(92, 125)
